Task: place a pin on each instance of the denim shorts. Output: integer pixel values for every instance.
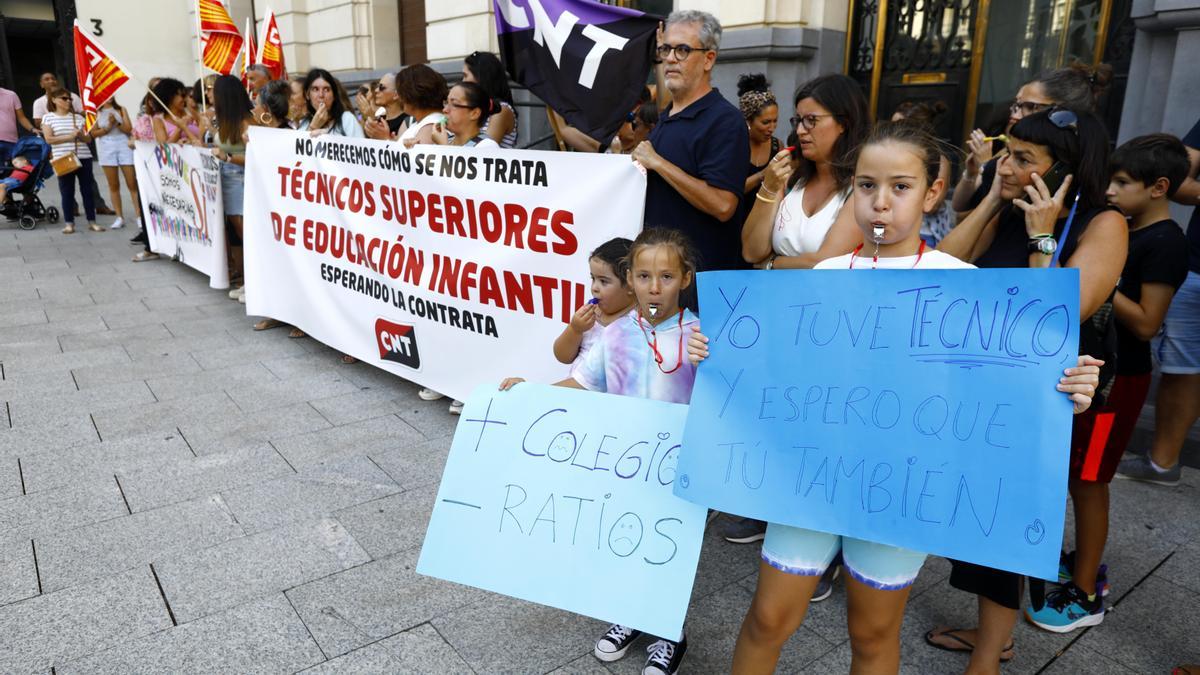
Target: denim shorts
(10, 183)
(233, 180)
(802, 552)
(1177, 346)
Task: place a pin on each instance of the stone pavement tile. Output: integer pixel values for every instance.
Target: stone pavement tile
(590, 665)
(119, 308)
(1079, 659)
(32, 385)
(431, 418)
(501, 634)
(414, 652)
(1146, 523)
(98, 461)
(167, 317)
(224, 357)
(360, 438)
(10, 478)
(191, 322)
(260, 636)
(77, 556)
(124, 292)
(18, 574)
(415, 464)
(160, 366)
(24, 317)
(307, 365)
(209, 382)
(179, 480)
(367, 376)
(180, 300)
(48, 408)
(43, 513)
(359, 606)
(1183, 569)
(119, 336)
(169, 344)
(315, 491)
(722, 563)
(1151, 630)
(391, 524)
(205, 582)
(49, 331)
(712, 629)
(275, 394)
(357, 406)
(56, 627)
(215, 434)
(73, 428)
(66, 360)
(162, 416)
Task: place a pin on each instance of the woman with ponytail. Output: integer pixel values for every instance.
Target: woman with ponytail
(761, 111)
(467, 110)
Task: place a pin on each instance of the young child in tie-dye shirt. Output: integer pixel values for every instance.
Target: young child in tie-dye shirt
(643, 354)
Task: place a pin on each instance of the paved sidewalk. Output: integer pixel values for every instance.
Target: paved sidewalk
(181, 493)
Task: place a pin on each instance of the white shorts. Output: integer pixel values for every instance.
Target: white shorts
(114, 154)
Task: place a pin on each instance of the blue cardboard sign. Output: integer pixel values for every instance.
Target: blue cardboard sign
(563, 497)
(912, 408)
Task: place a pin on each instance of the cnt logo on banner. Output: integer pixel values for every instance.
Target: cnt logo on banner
(447, 266)
(180, 188)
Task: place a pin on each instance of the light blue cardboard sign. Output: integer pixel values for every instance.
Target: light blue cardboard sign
(912, 408)
(563, 497)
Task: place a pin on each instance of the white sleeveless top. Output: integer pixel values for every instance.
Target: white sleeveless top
(794, 232)
(415, 128)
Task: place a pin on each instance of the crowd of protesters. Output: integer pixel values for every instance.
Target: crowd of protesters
(724, 192)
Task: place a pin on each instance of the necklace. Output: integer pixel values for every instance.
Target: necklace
(653, 344)
(875, 258)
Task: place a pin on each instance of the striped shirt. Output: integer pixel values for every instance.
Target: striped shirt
(510, 139)
(66, 125)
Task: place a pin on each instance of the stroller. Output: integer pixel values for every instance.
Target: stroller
(22, 203)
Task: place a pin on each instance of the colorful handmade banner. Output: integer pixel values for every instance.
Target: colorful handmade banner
(99, 74)
(448, 266)
(180, 190)
(912, 408)
(563, 497)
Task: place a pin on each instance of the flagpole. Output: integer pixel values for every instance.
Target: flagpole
(200, 63)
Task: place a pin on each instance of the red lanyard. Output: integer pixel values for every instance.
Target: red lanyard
(875, 258)
(658, 357)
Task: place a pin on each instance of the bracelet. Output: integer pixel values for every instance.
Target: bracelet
(770, 193)
(764, 199)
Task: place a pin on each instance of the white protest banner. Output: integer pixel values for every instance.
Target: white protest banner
(447, 266)
(180, 188)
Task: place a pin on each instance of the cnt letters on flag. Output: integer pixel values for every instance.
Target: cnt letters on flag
(586, 60)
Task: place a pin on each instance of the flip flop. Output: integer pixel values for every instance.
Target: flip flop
(267, 324)
(347, 359)
(297, 333)
(1006, 654)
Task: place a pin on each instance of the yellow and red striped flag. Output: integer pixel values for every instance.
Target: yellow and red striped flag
(100, 76)
(220, 40)
(270, 52)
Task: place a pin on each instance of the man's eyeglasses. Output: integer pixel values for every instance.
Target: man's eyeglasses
(682, 51)
(809, 121)
(1027, 107)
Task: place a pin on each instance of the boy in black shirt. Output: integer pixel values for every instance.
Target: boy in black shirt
(1146, 172)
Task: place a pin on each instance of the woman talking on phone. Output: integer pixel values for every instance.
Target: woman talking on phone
(1045, 208)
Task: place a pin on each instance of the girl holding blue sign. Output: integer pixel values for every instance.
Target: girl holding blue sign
(642, 354)
(895, 182)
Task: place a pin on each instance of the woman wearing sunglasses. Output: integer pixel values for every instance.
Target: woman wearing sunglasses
(1047, 207)
(1076, 87)
(799, 217)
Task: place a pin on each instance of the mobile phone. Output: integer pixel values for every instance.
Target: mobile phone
(1053, 178)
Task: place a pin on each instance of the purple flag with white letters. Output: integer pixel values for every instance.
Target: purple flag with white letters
(586, 60)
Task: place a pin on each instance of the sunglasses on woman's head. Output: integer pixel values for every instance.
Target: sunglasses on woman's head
(1064, 119)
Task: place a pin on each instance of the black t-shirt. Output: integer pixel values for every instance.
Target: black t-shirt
(394, 123)
(1158, 254)
(748, 198)
(1192, 140)
(707, 140)
(985, 183)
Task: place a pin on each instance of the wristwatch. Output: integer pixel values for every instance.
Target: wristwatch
(1046, 245)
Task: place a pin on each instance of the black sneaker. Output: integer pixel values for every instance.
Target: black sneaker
(745, 531)
(665, 657)
(825, 584)
(615, 642)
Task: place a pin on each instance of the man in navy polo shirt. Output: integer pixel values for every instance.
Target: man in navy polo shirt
(697, 156)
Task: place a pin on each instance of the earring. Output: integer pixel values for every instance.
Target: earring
(265, 119)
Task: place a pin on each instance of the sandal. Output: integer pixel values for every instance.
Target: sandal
(95, 228)
(267, 324)
(297, 333)
(1006, 654)
(69, 229)
(143, 256)
(347, 359)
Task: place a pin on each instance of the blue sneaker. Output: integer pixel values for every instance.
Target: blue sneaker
(1066, 572)
(1066, 609)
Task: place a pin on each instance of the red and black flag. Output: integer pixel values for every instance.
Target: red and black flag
(586, 60)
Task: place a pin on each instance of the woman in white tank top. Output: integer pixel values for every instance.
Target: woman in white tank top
(801, 213)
